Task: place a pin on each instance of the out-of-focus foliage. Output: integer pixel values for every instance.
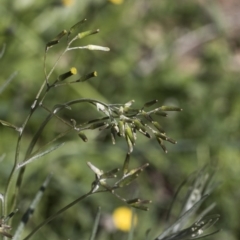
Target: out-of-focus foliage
(183, 53)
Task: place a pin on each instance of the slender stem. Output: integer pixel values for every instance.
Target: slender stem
(59, 118)
(36, 137)
(54, 66)
(80, 47)
(34, 106)
(28, 153)
(2, 203)
(52, 141)
(85, 100)
(119, 197)
(36, 103)
(17, 151)
(58, 213)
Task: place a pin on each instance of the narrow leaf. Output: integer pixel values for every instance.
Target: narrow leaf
(35, 157)
(7, 124)
(186, 215)
(95, 226)
(28, 214)
(8, 81)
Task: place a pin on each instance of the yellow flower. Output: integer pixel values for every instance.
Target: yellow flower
(67, 3)
(116, 1)
(122, 218)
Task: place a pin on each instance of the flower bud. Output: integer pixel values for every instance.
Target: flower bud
(150, 103)
(96, 47)
(56, 40)
(87, 33)
(86, 77)
(169, 108)
(129, 133)
(75, 26)
(73, 71)
(83, 136)
(158, 126)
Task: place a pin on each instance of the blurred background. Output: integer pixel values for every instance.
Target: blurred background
(183, 53)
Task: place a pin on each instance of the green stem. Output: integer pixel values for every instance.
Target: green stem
(17, 151)
(58, 213)
(34, 106)
(36, 137)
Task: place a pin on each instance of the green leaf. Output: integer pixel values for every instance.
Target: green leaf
(37, 156)
(7, 124)
(95, 226)
(8, 81)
